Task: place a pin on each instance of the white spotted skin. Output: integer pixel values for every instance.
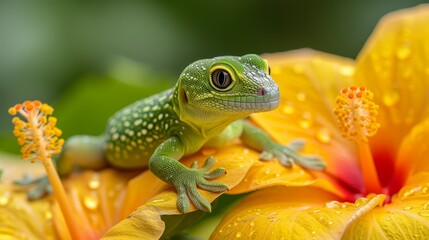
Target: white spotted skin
(133, 133)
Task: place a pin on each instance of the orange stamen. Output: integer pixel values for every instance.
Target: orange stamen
(356, 114)
(40, 140)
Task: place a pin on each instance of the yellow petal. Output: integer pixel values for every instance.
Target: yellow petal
(413, 155)
(271, 173)
(145, 223)
(292, 213)
(21, 219)
(309, 83)
(394, 65)
(235, 158)
(97, 198)
(407, 217)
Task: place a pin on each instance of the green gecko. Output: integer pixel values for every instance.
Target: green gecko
(205, 108)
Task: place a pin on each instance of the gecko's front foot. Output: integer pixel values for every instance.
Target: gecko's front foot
(288, 156)
(186, 183)
(41, 186)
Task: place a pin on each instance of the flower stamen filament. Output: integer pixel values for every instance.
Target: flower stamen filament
(39, 140)
(356, 114)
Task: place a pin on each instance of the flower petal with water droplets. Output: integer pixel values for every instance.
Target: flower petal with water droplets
(309, 83)
(406, 217)
(413, 155)
(235, 158)
(272, 173)
(394, 64)
(292, 213)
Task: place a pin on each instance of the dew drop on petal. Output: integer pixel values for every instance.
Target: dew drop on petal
(48, 215)
(91, 201)
(301, 96)
(390, 97)
(332, 205)
(238, 234)
(305, 124)
(408, 208)
(347, 71)
(323, 135)
(5, 198)
(94, 182)
(424, 213)
(288, 108)
(361, 201)
(403, 52)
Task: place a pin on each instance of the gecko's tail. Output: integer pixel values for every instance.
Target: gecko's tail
(81, 151)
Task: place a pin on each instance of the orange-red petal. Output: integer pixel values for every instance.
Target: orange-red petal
(309, 83)
(394, 65)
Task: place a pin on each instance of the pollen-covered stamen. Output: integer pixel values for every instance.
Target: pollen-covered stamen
(357, 117)
(35, 130)
(39, 139)
(356, 113)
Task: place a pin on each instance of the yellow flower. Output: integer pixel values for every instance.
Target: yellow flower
(368, 120)
(373, 138)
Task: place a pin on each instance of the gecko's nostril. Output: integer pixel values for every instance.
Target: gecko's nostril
(261, 92)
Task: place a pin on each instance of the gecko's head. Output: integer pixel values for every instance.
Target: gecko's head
(227, 86)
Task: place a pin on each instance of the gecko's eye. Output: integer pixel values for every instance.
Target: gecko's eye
(221, 79)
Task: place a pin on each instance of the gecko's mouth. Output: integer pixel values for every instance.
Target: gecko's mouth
(252, 103)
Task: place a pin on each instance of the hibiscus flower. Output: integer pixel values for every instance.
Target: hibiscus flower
(368, 119)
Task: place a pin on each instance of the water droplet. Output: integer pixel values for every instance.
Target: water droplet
(388, 218)
(347, 71)
(94, 182)
(288, 108)
(316, 211)
(424, 213)
(425, 190)
(330, 222)
(238, 234)
(267, 171)
(361, 201)
(390, 97)
(91, 201)
(5, 197)
(278, 175)
(313, 232)
(305, 123)
(323, 135)
(425, 206)
(408, 208)
(252, 223)
(403, 52)
(332, 205)
(301, 96)
(48, 215)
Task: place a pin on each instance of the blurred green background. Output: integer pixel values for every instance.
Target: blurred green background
(90, 58)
